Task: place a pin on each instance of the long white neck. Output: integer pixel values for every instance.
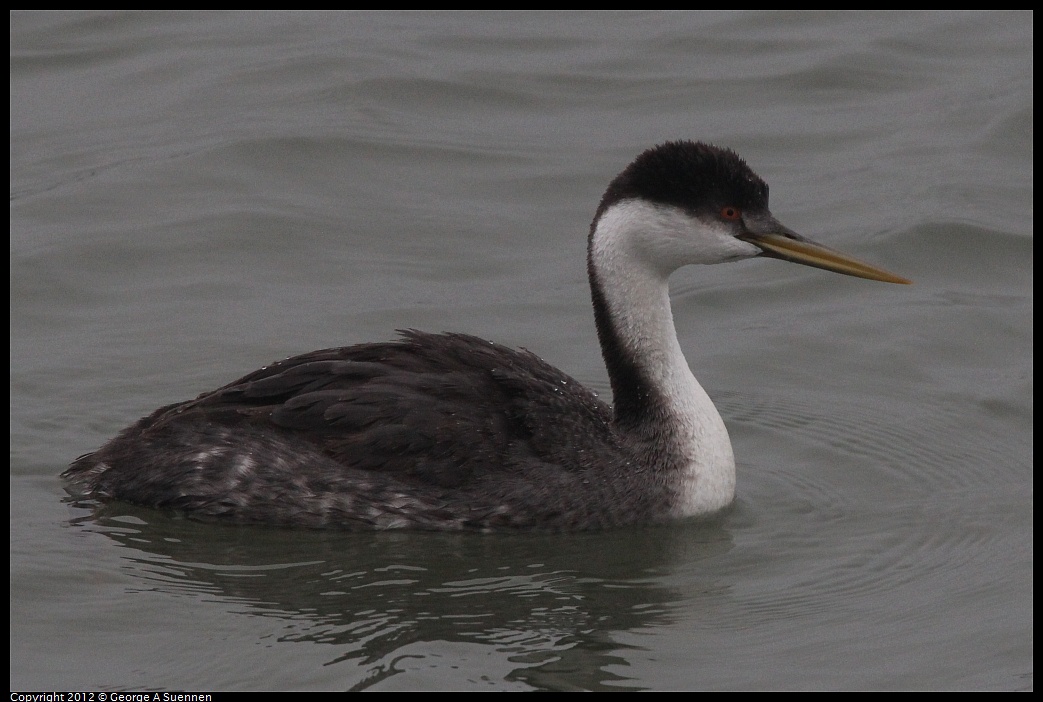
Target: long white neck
(633, 248)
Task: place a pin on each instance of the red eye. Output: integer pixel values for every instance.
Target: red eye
(731, 213)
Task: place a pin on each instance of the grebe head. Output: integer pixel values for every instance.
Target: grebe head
(683, 203)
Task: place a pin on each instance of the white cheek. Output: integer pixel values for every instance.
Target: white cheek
(737, 250)
(685, 242)
(666, 238)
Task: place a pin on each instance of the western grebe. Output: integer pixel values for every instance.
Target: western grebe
(448, 431)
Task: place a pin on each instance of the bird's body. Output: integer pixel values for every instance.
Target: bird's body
(447, 431)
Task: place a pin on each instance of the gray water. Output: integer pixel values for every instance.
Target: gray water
(196, 195)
